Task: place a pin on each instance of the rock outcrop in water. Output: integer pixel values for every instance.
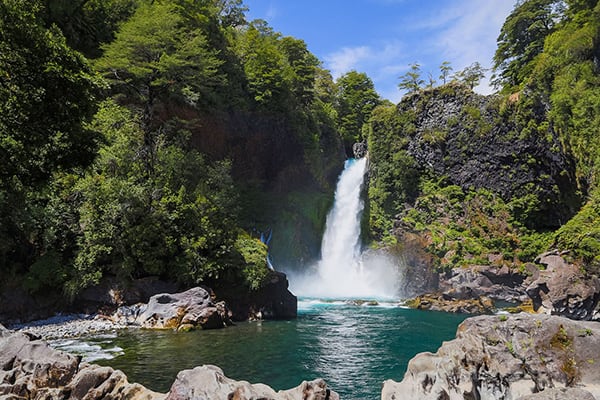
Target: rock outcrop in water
(192, 309)
(209, 382)
(197, 308)
(507, 357)
(30, 369)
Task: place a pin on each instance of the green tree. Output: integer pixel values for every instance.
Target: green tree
(303, 69)
(88, 23)
(356, 98)
(47, 93)
(265, 66)
(522, 38)
(178, 223)
(411, 81)
(471, 75)
(445, 70)
(157, 55)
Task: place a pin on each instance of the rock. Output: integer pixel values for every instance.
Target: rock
(209, 382)
(496, 282)
(445, 302)
(17, 305)
(272, 301)
(30, 369)
(560, 394)
(563, 289)
(419, 274)
(110, 293)
(313, 390)
(505, 357)
(360, 149)
(462, 136)
(192, 308)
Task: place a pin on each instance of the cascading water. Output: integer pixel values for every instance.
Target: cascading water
(344, 272)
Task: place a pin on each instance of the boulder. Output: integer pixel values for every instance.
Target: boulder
(560, 394)
(496, 282)
(30, 369)
(359, 149)
(506, 357)
(209, 382)
(447, 303)
(272, 301)
(191, 309)
(563, 289)
(313, 390)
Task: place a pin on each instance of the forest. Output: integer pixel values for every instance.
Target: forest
(160, 138)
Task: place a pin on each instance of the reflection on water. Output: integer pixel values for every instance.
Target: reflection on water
(354, 348)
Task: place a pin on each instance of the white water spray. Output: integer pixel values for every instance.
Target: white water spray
(343, 271)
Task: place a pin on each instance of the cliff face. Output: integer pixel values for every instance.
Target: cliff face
(458, 179)
(454, 135)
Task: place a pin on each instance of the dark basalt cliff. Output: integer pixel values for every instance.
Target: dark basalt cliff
(479, 142)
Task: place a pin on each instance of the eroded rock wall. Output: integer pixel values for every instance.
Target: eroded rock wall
(503, 357)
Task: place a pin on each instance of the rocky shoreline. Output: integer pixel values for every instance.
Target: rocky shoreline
(493, 357)
(30, 369)
(551, 286)
(503, 357)
(527, 356)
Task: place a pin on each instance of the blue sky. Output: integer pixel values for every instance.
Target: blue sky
(382, 37)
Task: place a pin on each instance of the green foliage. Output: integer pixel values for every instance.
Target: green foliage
(411, 81)
(394, 177)
(581, 235)
(445, 70)
(47, 94)
(480, 224)
(356, 98)
(176, 221)
(254, 254)
(157, 54)
(522, 39)
(87, 24)
(471, 75)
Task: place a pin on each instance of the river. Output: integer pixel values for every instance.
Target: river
(353, 347)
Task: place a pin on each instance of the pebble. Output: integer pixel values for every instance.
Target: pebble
(68, 326)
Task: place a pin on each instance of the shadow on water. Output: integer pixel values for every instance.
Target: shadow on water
(354, 348)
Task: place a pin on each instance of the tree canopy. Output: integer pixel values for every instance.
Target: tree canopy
(356, 99)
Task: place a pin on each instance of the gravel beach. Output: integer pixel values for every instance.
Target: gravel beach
(68, 326)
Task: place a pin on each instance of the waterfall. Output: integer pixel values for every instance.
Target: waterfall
(344, 272)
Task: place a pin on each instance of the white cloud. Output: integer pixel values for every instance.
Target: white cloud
(472, 35)
(346, 59)
(461, 32)
(379, 61)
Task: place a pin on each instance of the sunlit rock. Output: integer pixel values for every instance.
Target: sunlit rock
(506, 357)
(563, 289)
(209, 382)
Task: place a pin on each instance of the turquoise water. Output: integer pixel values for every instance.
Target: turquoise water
(354, 348)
